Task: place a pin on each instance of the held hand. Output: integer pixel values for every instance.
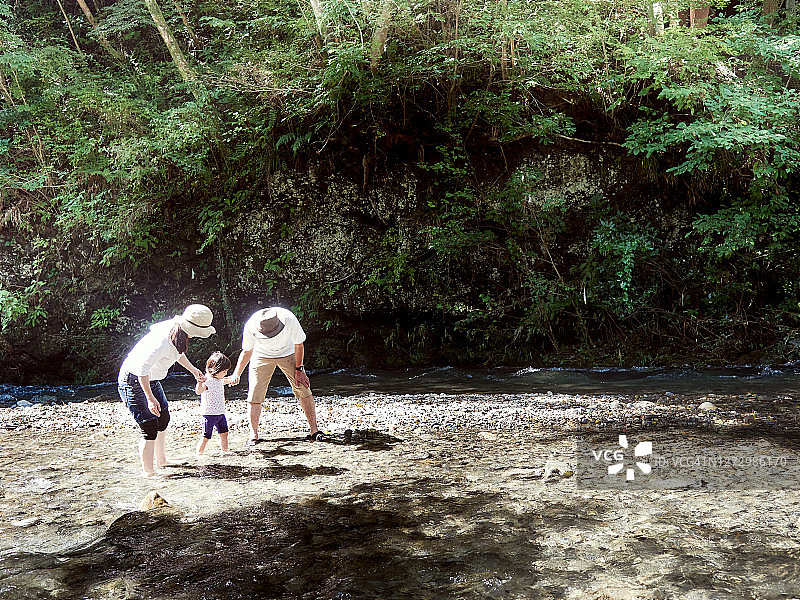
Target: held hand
(199, 376)
(233, 379)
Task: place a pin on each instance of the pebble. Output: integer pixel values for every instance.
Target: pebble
(152, 501)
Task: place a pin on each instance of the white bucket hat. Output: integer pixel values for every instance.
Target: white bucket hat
(196, 321)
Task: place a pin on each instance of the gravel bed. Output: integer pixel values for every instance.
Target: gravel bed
(440, 412)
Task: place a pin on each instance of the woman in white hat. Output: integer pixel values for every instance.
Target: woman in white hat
(146, 365)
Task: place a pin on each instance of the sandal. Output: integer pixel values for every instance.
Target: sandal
(318, 436)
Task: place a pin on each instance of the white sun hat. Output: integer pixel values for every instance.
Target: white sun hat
(196, 321)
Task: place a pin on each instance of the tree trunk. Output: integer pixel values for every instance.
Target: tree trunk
(66, 18)
(657, 17)
(791, 7)
(504, 51)
(189, 75)
(319, 16)
(698, 17)
(116, 54)
(380, 34)
(185, 19)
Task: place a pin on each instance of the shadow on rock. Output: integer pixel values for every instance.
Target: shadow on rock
(239, 473)
(417, 539)
(401, 541)
(364, 439)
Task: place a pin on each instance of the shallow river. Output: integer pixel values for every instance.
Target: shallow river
(753, 379)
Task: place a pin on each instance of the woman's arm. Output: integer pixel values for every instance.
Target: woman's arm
(152, 403)
(185, 363)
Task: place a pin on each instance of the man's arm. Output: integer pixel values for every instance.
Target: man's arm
(244, 358)
(300, 375)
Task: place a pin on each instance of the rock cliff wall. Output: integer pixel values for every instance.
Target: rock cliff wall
(356, 259)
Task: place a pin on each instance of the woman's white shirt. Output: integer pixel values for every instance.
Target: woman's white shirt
(154, 354)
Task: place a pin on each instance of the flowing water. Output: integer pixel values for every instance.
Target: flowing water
(746, 379)
(409, 514)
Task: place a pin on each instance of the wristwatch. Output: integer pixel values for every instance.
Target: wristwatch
(300, 368)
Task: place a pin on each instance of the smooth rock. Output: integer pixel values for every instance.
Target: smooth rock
(419, 456)
(485, 435)
(102, 399)
(707, 406)
(23, 404)
(643, 404)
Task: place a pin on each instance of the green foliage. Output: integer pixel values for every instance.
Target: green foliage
(25, 307)
(624, 248)
(730, 109)
(117, 159)
(103, 317)
(391, 273)
(762, 227)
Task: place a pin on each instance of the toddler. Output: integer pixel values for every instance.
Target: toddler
(212, 401)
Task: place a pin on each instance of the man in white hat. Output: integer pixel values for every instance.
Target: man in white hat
(272, 338)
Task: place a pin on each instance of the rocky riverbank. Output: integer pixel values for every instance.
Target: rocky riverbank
(428, 496)
(437, 412)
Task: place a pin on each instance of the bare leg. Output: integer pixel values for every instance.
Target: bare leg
(146, 448)
(223, 443)
(255, 415)
(201, 445)
(161, 449)
(310, 410)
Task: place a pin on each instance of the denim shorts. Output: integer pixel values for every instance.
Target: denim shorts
(132, 394)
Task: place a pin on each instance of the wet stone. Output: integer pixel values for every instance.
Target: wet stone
(46, 399)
